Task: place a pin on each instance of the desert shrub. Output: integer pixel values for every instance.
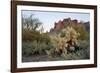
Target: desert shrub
(30, 35)
(39, 47)
(80, 54)
(27, 48)
(84, 35)
(84, 44)
(80, 28)
(44, 38)
(34, 48)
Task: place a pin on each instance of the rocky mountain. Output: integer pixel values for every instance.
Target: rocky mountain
(58, 26)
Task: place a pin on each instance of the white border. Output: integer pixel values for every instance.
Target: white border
(53, 63)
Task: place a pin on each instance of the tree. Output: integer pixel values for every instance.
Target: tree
(30, 23)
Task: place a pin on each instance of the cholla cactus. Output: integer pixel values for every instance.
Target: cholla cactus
(61, 43)
(58, 42)
(70, 34)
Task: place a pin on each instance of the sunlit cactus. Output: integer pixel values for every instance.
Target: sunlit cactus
(62, 43)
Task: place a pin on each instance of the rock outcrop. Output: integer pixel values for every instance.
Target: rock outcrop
(58, 26)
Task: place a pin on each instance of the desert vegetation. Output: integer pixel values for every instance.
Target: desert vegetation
(69, 43)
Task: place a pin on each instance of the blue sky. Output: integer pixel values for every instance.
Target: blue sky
(49, 18)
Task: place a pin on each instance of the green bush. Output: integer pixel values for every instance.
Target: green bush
(39, 47)
(80, 54)
(84, 44)
(34, 48)
(27, 48)
(30, 35)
